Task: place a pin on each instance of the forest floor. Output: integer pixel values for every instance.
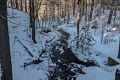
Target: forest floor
(23, 50)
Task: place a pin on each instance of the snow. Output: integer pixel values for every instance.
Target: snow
(19, 33)
(96, 73)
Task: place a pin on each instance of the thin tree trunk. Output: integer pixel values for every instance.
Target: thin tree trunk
(16, 4)
(65, 7)
(110, 16)
(74, 7)
(26, 6)
(91, 11)
(21, 5)
(83, 7)
(32, 19)
(78, 17)
(85, 10)
(119, 50)
(111, 13)
(11, 2)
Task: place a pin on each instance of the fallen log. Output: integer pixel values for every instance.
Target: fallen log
(112, 62)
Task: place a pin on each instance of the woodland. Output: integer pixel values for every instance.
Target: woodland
(59, 39)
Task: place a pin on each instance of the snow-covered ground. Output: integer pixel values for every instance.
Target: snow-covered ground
(21, 46)
(99, 52)
(19, 34)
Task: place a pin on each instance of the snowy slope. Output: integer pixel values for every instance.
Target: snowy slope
(19, 34)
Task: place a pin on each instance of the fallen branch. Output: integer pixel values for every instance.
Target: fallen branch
(35, 61)
(31, 53)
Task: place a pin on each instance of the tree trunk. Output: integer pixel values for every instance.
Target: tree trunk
(110, 16)
(78, 21)
(21, 5)
(78, 17)
(74, 7)
(91, 11)
(68, 13)
(111, 13)
(11, 1)
(83, 7)
(85, 10)
(4, 43)
(26, 6)
(65, 7)
(119, 50)
(32, 19)
(117, 74)
(16, 4)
